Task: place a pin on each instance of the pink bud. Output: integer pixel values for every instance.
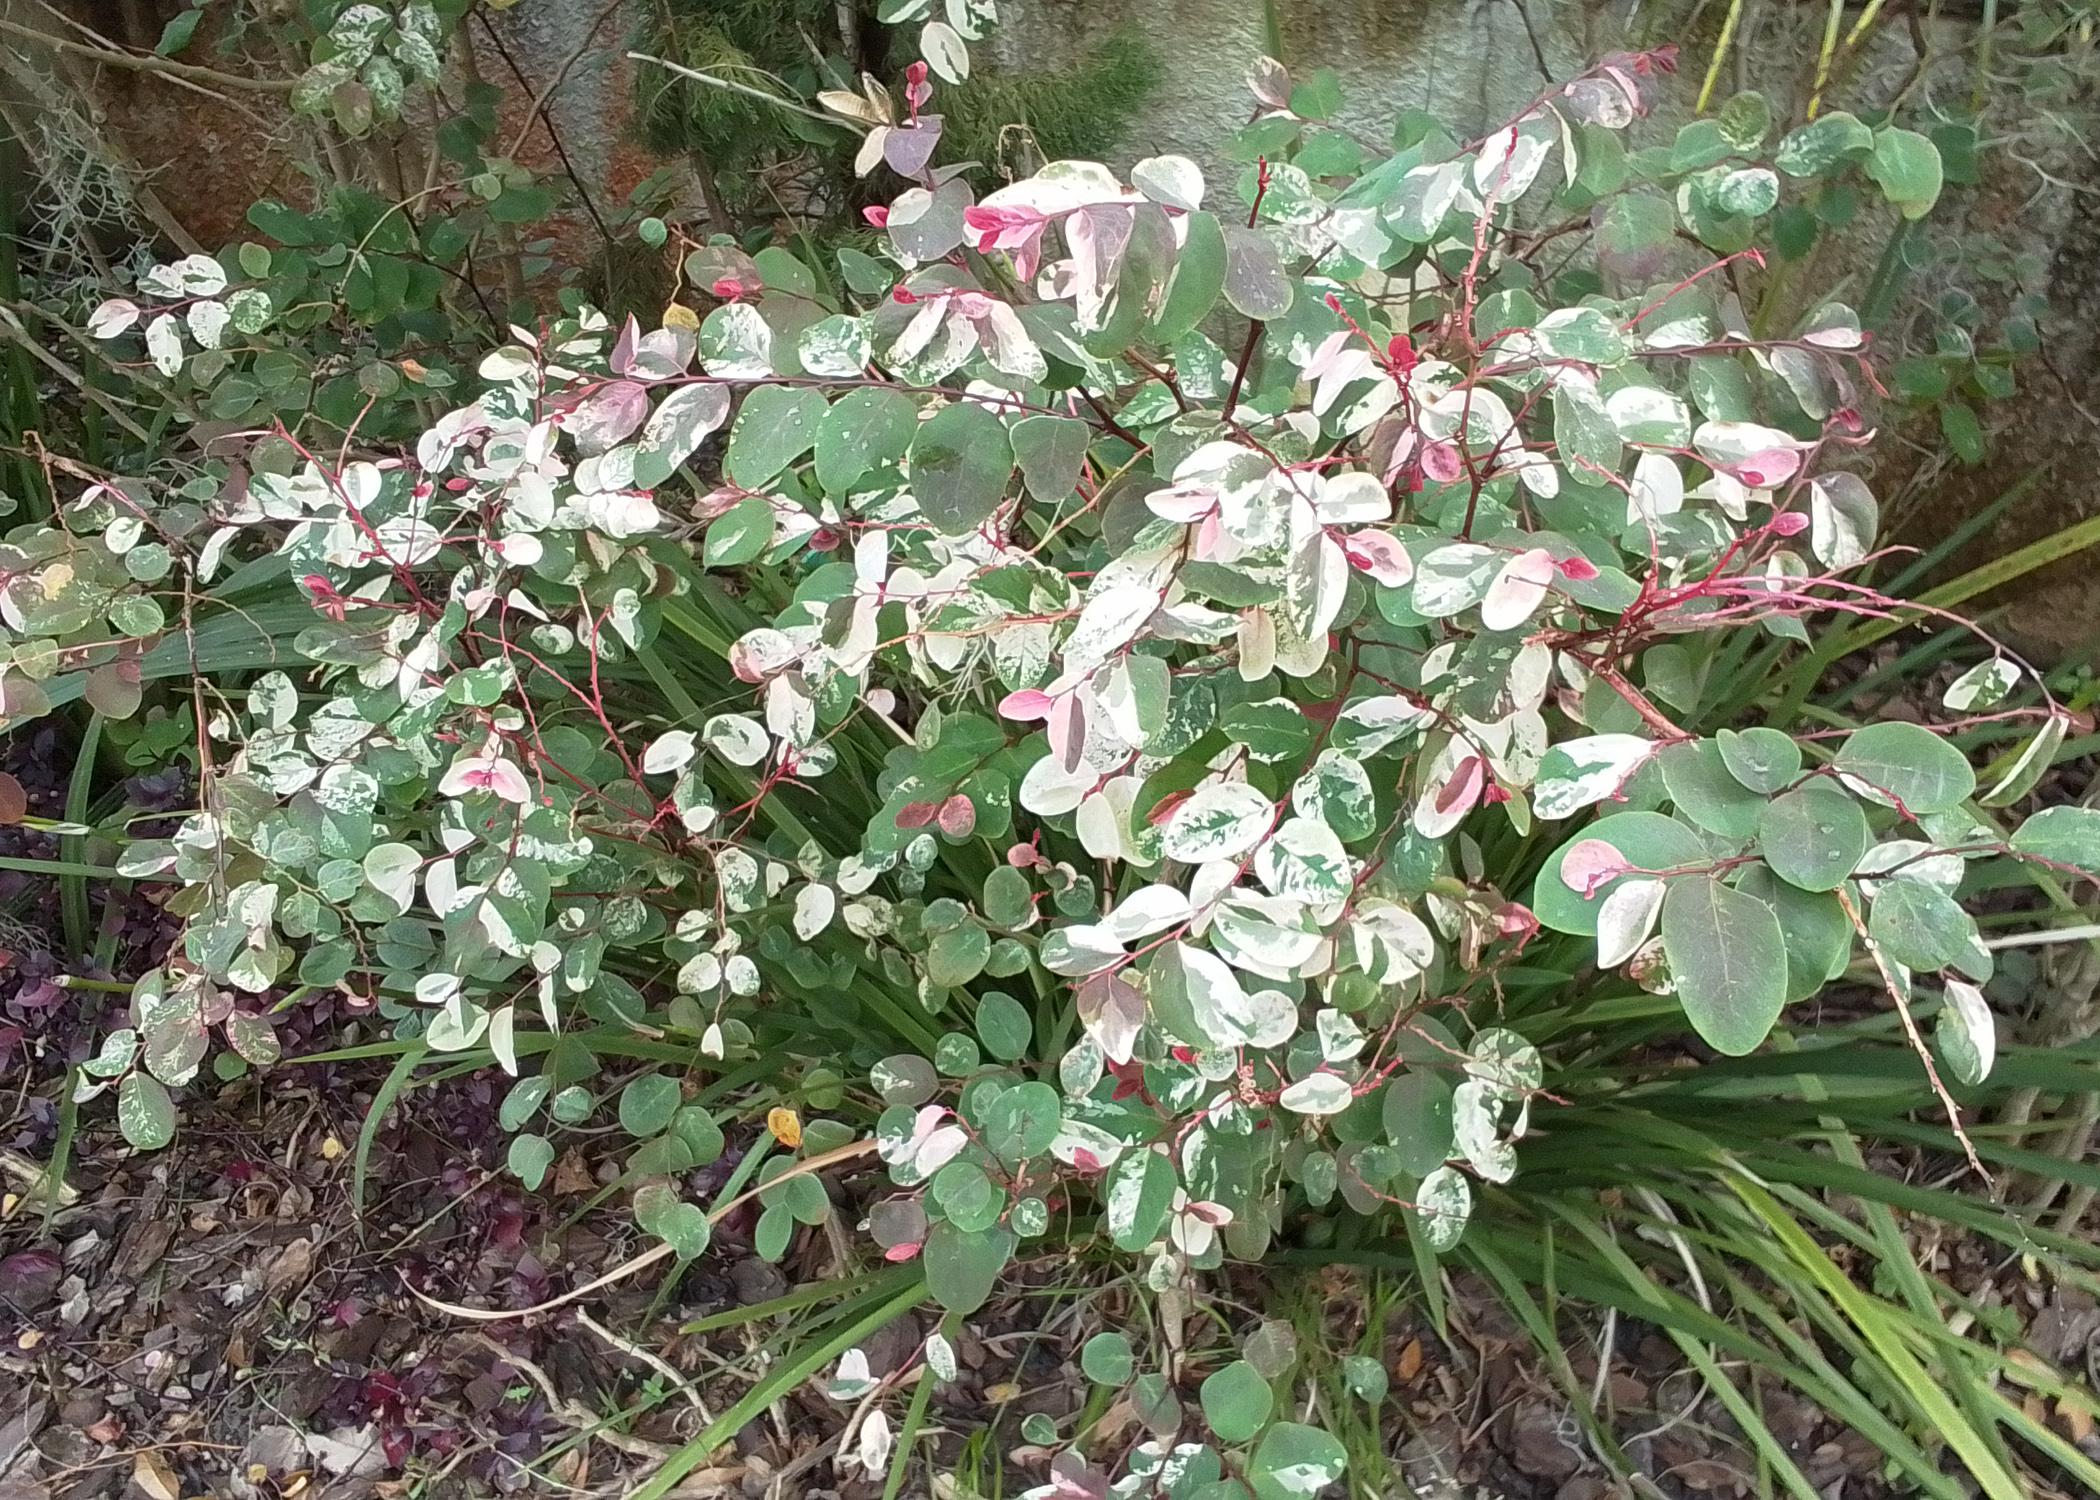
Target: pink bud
(877, 215)
(1578, 569)
(729, 288)
(1789, 523)
(897, 1254)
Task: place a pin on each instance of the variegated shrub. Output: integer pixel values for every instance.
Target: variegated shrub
(1078, 689)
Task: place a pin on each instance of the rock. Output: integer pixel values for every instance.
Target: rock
(1538, 1446)
(83, 1410)
(348, 1452)
(280, 1450)
(754, 1280)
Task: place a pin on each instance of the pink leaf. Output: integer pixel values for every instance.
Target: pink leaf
(899, 1253)
(1463, 789)
(1577, 569)
(958, 816)
(1518, 590)
(1765, 470)
(1068, 731)
(917, 814)
(1027, 705)
(1379, 557)
(623, 347)
(1440, 462)
(1585, 868)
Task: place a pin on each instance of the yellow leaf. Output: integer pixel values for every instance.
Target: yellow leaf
(678, 315)
(786, 1126)
(151, 1474)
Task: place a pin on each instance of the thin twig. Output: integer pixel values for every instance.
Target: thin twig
(747, 91)
(589, 1423)
(654, 1253)
(655, 1362)
(1917, 1040)
(147, 62)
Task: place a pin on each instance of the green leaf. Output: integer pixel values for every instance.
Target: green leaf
(1273, 729)
(177, 33)
(702, 1136)
(1966, 1033)
(863, 430)
(740, 534)
(1336, 790)
(681, 1225)
(1922, 771)
(1022, 1122)
(1819, 935)
(962, 1266)
(1442, 1206)
(2064, 836)
(647, 1104)
(1764, 760)
(1906, 166)
(1140, 1192)
(1417, 1120)
(777, 425)
(1003, 1026)
(1919, 925)
(1049, 451)
(960, 461)
(1107, 1359)
(1813, 836)
(1199, 275)
(530, 1157)
(958, 956)
(145, 1112)
(967, 1198)
(1586, 334)
(1236, 1402)
(1729, 960)
(1254, 281)
(1295, 1462)
(1366, 1379)
(1823, 144)
(1697, 777)
(775, 1230)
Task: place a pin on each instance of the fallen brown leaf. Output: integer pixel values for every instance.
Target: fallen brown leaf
(573, 1175)
(2078, 1422)
(151, 1474)
(1409, 1365)
(290, 1268)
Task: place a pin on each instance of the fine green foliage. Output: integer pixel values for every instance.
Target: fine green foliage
(1162, 711)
